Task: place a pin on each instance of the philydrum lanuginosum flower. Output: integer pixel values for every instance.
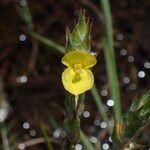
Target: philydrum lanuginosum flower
(78, 78)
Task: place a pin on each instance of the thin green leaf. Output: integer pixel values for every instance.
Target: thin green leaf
(110, 60)
(25, 15)
(4, 136)
(86, 141)
(48, 42)
(100, 106)
(46, 138)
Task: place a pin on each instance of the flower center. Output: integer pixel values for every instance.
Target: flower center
(76, 78)
(77, 69)
(78, 66)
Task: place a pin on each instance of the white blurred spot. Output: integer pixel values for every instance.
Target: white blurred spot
(147, 65)
(104, 92)
(130, 58)
(93, 139)
(26, 125)
(110, 102)
(21, 146)
(23, 2)
(141, 74)
(78, 147)
(86, 114)
(22, 79)
(103, 125)
(110, 139)
(119, 37)
(97, 122)
(22, 37)
(126, 80)
(123, 52)
(33, 133)
(131, 145)
(105, 146)
(57, 133)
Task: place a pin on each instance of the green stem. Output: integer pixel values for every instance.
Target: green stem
(47, 42)
(108, 23)
(100, 106)
(46, 138)
(26, 16)
(110, 60)
(5, 140)
(72, 120)
(86, 141)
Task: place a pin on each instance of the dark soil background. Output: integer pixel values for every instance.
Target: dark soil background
(42, 96)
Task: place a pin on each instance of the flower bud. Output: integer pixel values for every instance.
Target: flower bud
(80, 37)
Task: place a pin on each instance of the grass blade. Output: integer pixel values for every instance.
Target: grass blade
(46, 138)
(110, 60)
(4, 137)
(100, 106)
(47, 42)
(86, 141)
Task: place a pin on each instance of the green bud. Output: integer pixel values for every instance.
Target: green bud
(80, 37)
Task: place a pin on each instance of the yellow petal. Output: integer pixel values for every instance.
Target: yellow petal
(79, 57)
(77, 83)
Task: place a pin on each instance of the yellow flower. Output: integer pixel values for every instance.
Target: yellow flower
(78, 78)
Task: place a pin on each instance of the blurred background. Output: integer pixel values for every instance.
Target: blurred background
(30, 71)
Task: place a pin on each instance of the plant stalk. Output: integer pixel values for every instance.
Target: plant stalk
(110, 60)
(100, 107)
(5, 140)
(72, 121)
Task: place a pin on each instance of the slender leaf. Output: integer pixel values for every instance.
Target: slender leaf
(100, 106)
(48, 42)
(110, 60)
(46, 138)
(86, 141)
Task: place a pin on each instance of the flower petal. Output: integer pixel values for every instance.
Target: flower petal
(77, 83)
(79, 56)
